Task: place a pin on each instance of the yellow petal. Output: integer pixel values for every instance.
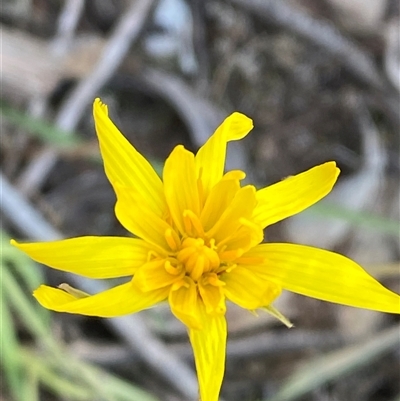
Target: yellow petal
(94, 257)
(249, 289)
(241, 207)
(245, 238)
(183, 301)
(294, 194)
(209, 348)
(180, 185)
(153, 275)
(325, 275)
(117, 301)
(219, 199)
(140, 220)
(213, 296)
(210, 159)
(124, 165)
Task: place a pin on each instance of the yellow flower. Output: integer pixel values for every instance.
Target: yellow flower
(198, 243)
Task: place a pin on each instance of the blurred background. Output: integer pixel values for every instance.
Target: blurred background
(320, 79)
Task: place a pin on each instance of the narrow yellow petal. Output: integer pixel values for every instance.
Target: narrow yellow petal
(210, 159)
(240, 208)
(94, 257)
(209, 348)
(180, 185)
(294, 194)
(219, 199)
(245, 238)
(153, 275)
(117, 301)
(140, 220)
(124, 165)
(213, 297)
(322, 274)
(183, 301)
(249, 289)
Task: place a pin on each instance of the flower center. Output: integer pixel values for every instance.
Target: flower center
(197, 257)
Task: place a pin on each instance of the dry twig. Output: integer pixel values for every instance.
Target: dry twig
(67, 24)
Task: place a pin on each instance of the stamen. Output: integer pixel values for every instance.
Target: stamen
(213, 258)
(174, 270)
(226, 268)
(192, 220)
(172, 239)
(197, 257)
(212, 244)
(187, 224)
(198, 268)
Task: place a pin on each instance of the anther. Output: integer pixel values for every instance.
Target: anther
(174, 270)
(192, 221)
(172, 239)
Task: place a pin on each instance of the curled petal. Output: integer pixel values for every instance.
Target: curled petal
(294, 194)
(210, 159)
(324, 275)
(120, 300)
(93, 257)
(209, 348)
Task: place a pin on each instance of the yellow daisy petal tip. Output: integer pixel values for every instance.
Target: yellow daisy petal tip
(239, 126)
(99, 106)
(333, 166)
(38, 290)
(18, 245)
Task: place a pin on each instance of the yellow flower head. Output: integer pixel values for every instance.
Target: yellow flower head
(198, 243)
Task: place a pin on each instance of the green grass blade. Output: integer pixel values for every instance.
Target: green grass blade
(9, 350)
(61, 385)
(41, 129)
(25, 309)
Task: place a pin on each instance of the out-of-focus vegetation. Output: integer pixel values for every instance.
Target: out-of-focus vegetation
(42, 361)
